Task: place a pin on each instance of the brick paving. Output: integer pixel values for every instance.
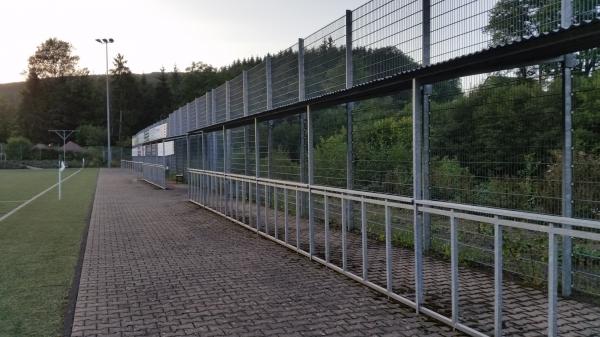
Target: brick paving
(155, 265)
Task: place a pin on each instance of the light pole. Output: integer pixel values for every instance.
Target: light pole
(105, 42)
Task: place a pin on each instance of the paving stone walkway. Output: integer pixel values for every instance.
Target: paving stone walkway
(155, 265)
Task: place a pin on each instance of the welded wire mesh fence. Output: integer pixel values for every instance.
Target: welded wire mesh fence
(360, 186)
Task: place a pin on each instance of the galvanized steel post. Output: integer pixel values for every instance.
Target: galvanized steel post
(269, 127)
(417, 128)
(567, 163)
(427, 89)
(311, 181)
(257, 171)
(301, 97)
(349, 122)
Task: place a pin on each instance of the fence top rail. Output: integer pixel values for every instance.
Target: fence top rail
(553, 219)
(304, 186)
(442, 205)
(153, 165)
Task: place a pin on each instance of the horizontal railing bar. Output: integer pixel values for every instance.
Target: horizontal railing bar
(306, 187)
(514, 224)
(154, 165)
(512, 214)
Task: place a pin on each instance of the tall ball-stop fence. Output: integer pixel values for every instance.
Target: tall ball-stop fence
(444, 153)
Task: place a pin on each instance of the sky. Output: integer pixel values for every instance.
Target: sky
(156, 33)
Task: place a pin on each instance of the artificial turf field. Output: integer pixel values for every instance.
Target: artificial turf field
(39, 248)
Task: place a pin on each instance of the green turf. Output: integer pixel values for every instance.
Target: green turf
(39, 247)
(20, 185)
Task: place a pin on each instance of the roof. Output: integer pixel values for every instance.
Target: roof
(73, 147)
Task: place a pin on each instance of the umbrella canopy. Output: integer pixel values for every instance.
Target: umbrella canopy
(40, 146)
(73, 147)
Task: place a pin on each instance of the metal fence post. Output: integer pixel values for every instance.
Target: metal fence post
(301, 97)
(311, 181)
(417, 128)
(203, 166)
(227, 147)
(269, 128)
(187, 158)
(427, 89)
(454, 267)
(257, 171)
(498, 266)
(349, 122)
(301, 84)
(552, 283)
(225, 185)
(567, 162)
(388, 248)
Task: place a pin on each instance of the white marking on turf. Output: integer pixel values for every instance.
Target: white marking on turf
(14, 210)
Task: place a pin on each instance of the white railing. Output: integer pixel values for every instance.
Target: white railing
(155, 174)
(282, 218)
(134, 166)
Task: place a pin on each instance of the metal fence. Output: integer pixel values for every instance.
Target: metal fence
(135, 167)
(155, 174)
(378, 39)
(455, 196)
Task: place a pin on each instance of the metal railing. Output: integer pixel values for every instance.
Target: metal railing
(269, 208)
(155, 174)
(134, 166)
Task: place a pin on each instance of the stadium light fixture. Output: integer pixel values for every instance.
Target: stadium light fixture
(105, 42)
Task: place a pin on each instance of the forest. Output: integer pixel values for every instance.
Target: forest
(59, 94)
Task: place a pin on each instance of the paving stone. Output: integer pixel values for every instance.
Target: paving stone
(156, 265)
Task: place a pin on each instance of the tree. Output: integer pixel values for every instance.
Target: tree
(175, 83)
(53, 59)
(125, 95)
(163, 97)
(510, 20)
(8, 120)
(90, 135)
(57, 93)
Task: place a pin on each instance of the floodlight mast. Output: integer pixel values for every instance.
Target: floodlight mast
(105, 42)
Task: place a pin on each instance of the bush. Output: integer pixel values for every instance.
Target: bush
(18, 148)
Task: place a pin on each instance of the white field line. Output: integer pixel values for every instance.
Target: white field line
(14, 210)
(11, 201)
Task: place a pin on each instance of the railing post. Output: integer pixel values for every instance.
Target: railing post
(498, 266)
(349, 122)
(417, 128)
(454, 267)
(164, 161)
(203, 165)
(567, 162)
(187, 158)
(311, 181)
(363, 232)
(225, 185)
(257, 171)
(552, 283)
(388, 248)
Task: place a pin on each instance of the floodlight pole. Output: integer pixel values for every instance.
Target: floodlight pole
(105, 42)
